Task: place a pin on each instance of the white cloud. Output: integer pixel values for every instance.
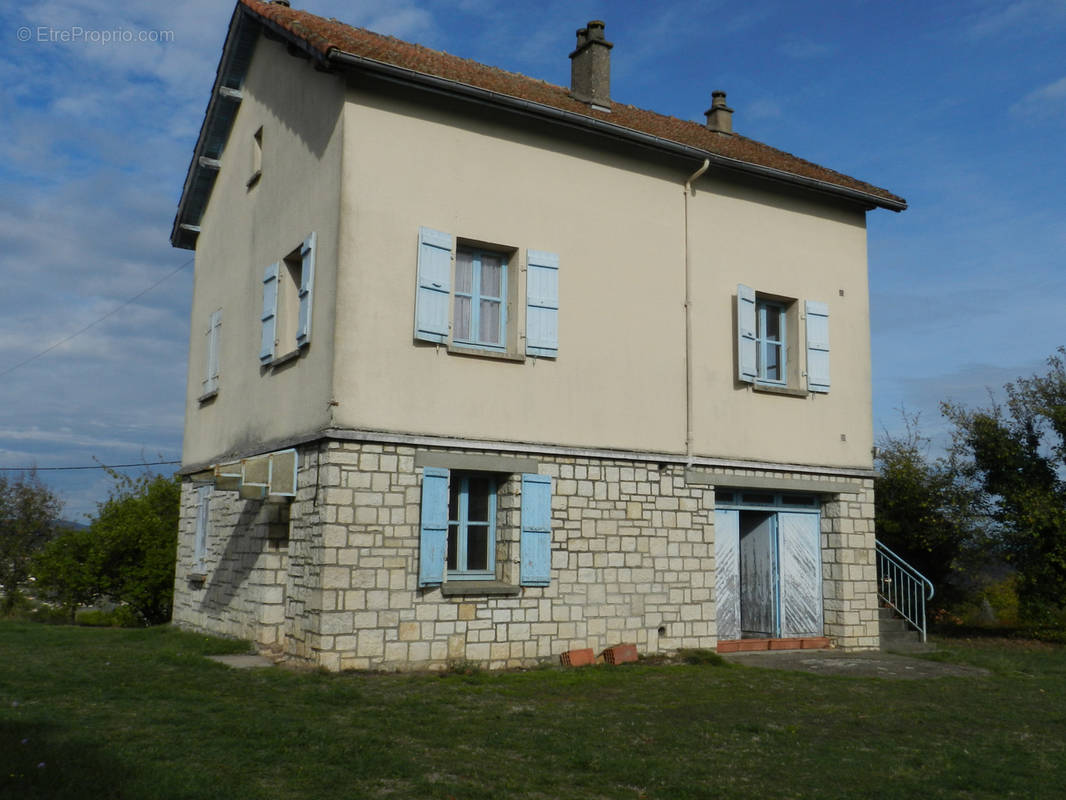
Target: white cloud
(1020, 17)
(65, 438)
(1044, 101)
(761, 108)
(402, 18)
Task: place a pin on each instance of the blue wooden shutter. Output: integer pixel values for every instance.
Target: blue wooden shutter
(433, 547)
(434, 285)
(307, 285)
(535, 544)
(203, 521)
(269, 316)
(211, 370)
(542, 303)
(747, 367)
(817, 346)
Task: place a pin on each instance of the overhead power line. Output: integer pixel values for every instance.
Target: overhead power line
(97, 321)
(93, 466)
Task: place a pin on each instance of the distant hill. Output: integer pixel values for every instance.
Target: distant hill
(69, 524)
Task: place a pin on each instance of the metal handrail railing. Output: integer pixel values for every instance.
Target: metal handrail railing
(903, 587)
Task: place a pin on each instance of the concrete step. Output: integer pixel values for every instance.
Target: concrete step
(897, 635)
(915, 645)
(894, 625)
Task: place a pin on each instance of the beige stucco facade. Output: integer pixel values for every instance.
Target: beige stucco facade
(366, 171)
(247, 226)
(799, 249)
(642, 396)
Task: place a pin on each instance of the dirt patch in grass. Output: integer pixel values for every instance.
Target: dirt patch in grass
(858, 665)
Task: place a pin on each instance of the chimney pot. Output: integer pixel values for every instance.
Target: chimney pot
(590, 67)
(719, 115)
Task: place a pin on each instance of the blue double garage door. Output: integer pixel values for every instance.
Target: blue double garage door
(769, 567)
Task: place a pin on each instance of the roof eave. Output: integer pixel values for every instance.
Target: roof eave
(231, 70)
(603, 127)
(218, 119)
(185, 229)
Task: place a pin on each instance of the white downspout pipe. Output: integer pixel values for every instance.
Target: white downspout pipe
(688, 319)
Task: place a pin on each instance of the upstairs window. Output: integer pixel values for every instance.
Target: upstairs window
(770, 352)
(257, 158)
(767, 327)
(468, 293)
(288, 288)
(480, 316)
(211, 361)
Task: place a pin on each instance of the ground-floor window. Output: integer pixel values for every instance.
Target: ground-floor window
(485, 526)
(472, 526)
(203, 526)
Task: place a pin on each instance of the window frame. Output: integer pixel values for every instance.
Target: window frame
(459, 483)
(212, 357)
(288, 302)
(290, 276)
(521, 530)
(476, 297)
(257, 158)
(764, 307)
(794, 343)
(748, 498)
(529, 298)
(203, 528)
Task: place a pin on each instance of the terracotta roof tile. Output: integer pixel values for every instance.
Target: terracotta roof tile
(326, 35)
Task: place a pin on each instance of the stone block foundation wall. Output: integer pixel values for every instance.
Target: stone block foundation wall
(849, 570)
(241, 590)
(333, 579)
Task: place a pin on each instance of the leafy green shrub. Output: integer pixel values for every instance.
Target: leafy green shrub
(126, 617)
(1002, 596)
(48, 614)
(119, 617)
(27, 608)
(138, 530)
(68, 571)
(126, 555)
(95, 618)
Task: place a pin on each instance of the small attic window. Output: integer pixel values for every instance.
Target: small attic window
(257, 157)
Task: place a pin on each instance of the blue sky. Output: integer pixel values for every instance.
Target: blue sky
(960, 107)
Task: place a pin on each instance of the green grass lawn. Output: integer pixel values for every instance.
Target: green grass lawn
(102, 713)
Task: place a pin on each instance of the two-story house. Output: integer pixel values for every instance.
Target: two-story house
(487, 369)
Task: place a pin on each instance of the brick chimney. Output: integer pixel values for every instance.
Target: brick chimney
(719, 115)
(590, 67)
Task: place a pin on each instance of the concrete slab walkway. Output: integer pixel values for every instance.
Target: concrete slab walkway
(862, 665)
